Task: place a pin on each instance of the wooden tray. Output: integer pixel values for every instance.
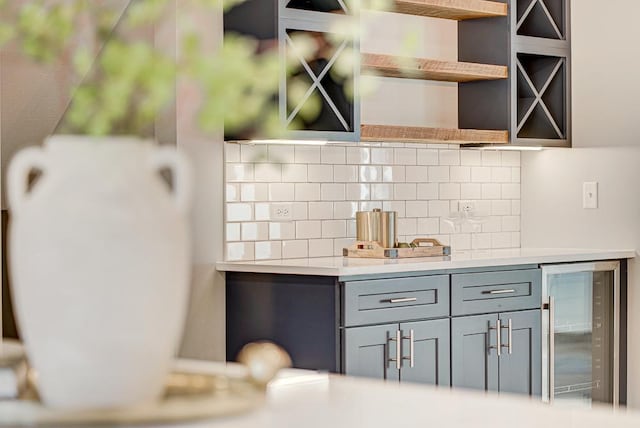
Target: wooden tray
(422, 247)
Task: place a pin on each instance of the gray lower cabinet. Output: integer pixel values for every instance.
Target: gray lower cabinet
(510, 365)
(423, 347)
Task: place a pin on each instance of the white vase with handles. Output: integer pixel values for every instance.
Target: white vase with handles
(100, 265)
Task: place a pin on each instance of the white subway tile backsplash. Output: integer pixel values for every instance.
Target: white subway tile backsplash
(501, 174)
(233, 232)
(326, 185)
(307, 192)
(307, 154)
(491, 191)
(253, 154)
(480, 174)
(255, 231)
(281, 192)
(320, 247)
(333, 192)
(470, 191)
(282, 154)
(381, 192)
(511, 158)
(262, 211)
(254, 192)
(439, 209)
(334, 228)
(282, 230)
(344, 210)
(240, 251)
(428, 226)
(320, 173)
(320, 210)
(491, 158)
(239, 212)
(239, 172)
(333, 155)
(405, 191)
(449, 191)
(231, 153)
(438, 174)
(295, 249)
(427, 191)
(358, 155)
(294, 173)
(449, 157)
(268, 172)
(502, 207)
(394, 174)
(345, 173)
(404, 156)
(470, 157)
(397, 206)
(358, 192)
(232, 192)
(428, 157)
(381, 156)
(511, 191)
(268, 250)
(511, 224)
(417, 208)
(460, 174)
(308, 229)
(417, 174)
(370, 174)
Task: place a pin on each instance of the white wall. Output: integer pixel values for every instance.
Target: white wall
(606, 124)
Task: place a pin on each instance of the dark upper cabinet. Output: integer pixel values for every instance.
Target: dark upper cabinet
(317, 95)
(534, 103)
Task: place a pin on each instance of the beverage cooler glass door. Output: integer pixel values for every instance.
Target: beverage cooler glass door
(581, 325)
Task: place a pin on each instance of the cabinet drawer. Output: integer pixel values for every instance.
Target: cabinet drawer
(394, 300)
(479, 293)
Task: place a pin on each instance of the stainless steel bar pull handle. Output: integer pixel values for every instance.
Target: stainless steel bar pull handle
(552, 350)
(509, 344)
(412, 348)
(403, 300)
(506, 291)
(498, 346)
(398, 358)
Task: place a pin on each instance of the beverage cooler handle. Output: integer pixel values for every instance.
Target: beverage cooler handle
(552, 351)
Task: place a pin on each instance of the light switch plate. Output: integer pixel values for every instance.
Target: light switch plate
(590, 195)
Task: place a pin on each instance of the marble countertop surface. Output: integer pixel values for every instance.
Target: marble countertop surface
(300, 398)
(341, 266)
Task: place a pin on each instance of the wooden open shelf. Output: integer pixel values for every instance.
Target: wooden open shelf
(430, 69)
(451, 9)
(413, 134)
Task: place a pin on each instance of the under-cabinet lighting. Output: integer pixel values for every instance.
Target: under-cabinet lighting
(513, 148)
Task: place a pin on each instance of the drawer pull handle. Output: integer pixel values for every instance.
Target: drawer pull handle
(509, 328)
(403, 300)
(398, 358)
(508, 291)
(498, 346)
(412, 349)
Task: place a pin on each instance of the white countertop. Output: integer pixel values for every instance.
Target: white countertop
(341, 266)
(332, 401)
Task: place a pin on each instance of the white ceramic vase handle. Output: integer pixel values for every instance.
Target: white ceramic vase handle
(169, 158)
(23, 163)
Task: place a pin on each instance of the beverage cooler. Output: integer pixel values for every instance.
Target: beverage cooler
(581, 333)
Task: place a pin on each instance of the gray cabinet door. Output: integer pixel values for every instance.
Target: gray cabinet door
(431, 352)
(473, 363)
(368, 350)
(520, 370)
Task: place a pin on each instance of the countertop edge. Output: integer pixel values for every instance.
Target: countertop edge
(422, 266)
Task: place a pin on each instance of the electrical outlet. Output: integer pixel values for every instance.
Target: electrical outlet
(590, 195)
(281, 212)
(466, 207)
